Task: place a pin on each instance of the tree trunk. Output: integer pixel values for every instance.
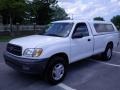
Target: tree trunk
(11, 29)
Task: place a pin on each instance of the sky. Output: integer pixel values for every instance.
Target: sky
(88, 9)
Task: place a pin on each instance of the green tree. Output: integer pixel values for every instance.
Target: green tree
(12, 11)
(99, 18)
(116, 21)
(27, 12)
(42, 10)
(59, 14)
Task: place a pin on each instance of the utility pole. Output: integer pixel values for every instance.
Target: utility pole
(72, 16)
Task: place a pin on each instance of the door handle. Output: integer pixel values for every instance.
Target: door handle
(89, 39)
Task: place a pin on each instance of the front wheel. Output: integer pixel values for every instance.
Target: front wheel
(107, 54)
(56, 70)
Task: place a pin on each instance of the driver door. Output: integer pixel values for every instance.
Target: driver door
(81, 42)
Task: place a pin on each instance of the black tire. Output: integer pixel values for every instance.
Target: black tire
(49, 70)
(107, 54)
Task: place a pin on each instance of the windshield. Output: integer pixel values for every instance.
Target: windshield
(59, 29)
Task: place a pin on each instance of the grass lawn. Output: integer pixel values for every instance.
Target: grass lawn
(5, 38)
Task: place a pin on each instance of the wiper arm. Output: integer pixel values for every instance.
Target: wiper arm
(53, 35)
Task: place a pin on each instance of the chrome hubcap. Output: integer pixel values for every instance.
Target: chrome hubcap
(58, 71)
(109, 53)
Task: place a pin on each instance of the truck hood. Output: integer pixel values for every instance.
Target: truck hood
(34, 41)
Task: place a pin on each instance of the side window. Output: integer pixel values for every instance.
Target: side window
(103, 28)
(110, 28)
(100, 28)
(81, 29)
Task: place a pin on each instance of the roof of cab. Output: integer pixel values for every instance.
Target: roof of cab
(77, 21)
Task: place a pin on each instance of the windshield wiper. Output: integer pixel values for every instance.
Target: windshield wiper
(53, 35)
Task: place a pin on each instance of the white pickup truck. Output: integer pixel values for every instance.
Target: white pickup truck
(63, 43)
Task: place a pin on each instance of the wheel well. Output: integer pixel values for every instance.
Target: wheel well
(110, 44)
(65, 56)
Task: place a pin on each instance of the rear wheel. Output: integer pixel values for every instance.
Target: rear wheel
(107, 54)
(56, 70)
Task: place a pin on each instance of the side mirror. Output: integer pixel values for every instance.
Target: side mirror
(77, 35)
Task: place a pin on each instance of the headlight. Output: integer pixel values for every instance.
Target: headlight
(30, 52)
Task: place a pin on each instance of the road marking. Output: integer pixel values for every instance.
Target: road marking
(116, 52)
(110, 64)
(65, 86)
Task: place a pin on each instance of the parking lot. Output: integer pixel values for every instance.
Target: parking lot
(89, 74)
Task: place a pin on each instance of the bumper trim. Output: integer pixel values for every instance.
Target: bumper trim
(35, 66)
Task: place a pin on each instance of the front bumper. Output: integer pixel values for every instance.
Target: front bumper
(26, 65)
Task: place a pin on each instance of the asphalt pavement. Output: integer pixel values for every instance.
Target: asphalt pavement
(88, 74)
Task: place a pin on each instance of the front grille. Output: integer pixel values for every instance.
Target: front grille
(14, 49)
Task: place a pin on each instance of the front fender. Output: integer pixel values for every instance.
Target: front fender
(55, 49)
